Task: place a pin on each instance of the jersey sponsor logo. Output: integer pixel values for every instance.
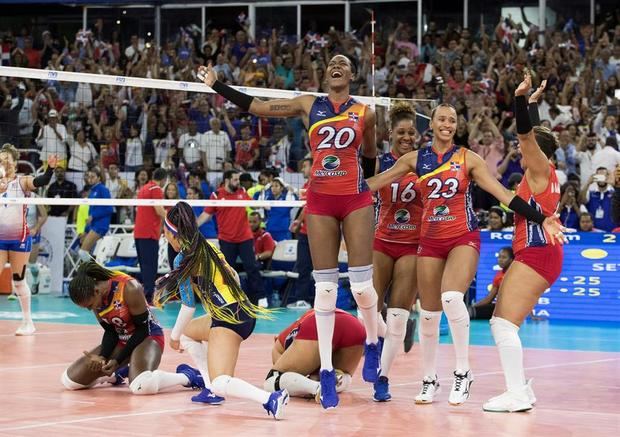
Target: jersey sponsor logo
(321, 113)
(402, 217)
(330, 165)
(440, 214)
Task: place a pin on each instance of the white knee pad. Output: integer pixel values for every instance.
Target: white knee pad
(454, 306)
(397, 323)
(343, 381)
(364, 293)
(220, 384)
(21, 288)
(326, 295)
(505, 333)
(145, 384)
(69, 384)
(429, 323)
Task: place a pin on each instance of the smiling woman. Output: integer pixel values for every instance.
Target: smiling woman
(339, 128)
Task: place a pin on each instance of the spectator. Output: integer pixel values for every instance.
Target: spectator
(246, 149)
(486, 140)
(147, 231)
(278, 148)
(615, 203)
(208, 229)
(497, 220)
(83, 153)
(510, 164)
(171, 192)
(264, 244)
(569, 207)
(596, 198)
(608, 156)
(484, 308)
(135, 144)
(62, 188)
(586, 224)
(234, 234)
(588, 147)
(192, 145)
(303, 265)
(142, 177)
(278, 219)
(164, 147)
(566, 154)
(217, 145)
(110, 146)
(119, 189)
(52, 140)
(99, 217)
(27, 115)
(607, 129)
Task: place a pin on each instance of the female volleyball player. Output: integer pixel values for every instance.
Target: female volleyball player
(340, 128)
(131, 336)
(15, 239)
(450, 241)
(202, 269)
(295, 355)
(396, 243)
(538, 262)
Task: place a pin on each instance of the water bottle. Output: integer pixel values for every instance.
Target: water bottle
(45, 280)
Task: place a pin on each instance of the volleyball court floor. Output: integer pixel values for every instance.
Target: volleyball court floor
(575, 369)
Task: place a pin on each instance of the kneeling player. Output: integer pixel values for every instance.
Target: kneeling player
(296, 360)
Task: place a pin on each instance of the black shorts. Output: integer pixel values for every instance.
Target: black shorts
(244, 328)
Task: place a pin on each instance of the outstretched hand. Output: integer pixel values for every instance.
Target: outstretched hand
(553, 227)
(525, 85)
(536, 94)
(207, 74)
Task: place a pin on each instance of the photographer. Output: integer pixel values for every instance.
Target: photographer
(596, 197)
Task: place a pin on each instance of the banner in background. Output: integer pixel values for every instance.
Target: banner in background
(589, 286)
(52, 249)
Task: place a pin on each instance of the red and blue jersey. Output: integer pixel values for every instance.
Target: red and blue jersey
(336, 136)
(399, 210)
(115, 311)
(527, 233)
(446, 190)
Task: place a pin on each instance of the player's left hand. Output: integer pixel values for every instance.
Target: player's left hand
(52, 161)
(553, 227)
(536, 94)
(176, 345)
(109, 367)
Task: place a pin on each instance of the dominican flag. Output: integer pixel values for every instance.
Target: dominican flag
(454, 166)
(354, 117)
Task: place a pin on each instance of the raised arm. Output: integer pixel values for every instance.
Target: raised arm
(294, 107)
(403, 165)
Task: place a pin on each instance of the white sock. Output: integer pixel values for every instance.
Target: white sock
(506, 336)
(366, 298)
(22, 290)
(152, 382)
(326, 294)
(198, 351)
(295, 383)
(169, 379)
(458, 319)
(225, 386)
(396, 328)
(381, 326)
(429, 339)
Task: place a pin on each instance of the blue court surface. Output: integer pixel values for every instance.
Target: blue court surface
(578, 335)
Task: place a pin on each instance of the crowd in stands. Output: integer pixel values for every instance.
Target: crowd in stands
(117, 131)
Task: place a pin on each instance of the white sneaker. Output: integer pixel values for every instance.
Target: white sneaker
(430, 387)
(530, 392)
(299, 305)
(263, 302)
(26, 328)
(508, 402)
(460, 387)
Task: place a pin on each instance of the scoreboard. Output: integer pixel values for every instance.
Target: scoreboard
(589, 286)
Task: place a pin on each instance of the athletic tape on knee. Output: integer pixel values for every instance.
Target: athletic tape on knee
(364, 293)
(69, 384)
(397, 323)
(454, 306)
(21, 288)
(272, 382)
(505, 333)
(220, 384)
(20, 276)
(326, 295)
(144, 384)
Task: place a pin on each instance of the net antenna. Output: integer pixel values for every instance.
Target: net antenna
(372, 47)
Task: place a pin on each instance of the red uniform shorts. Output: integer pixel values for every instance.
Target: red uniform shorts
(348, 331)
(436, 248)
(395, 250)
(337, 206)
(544, 260)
